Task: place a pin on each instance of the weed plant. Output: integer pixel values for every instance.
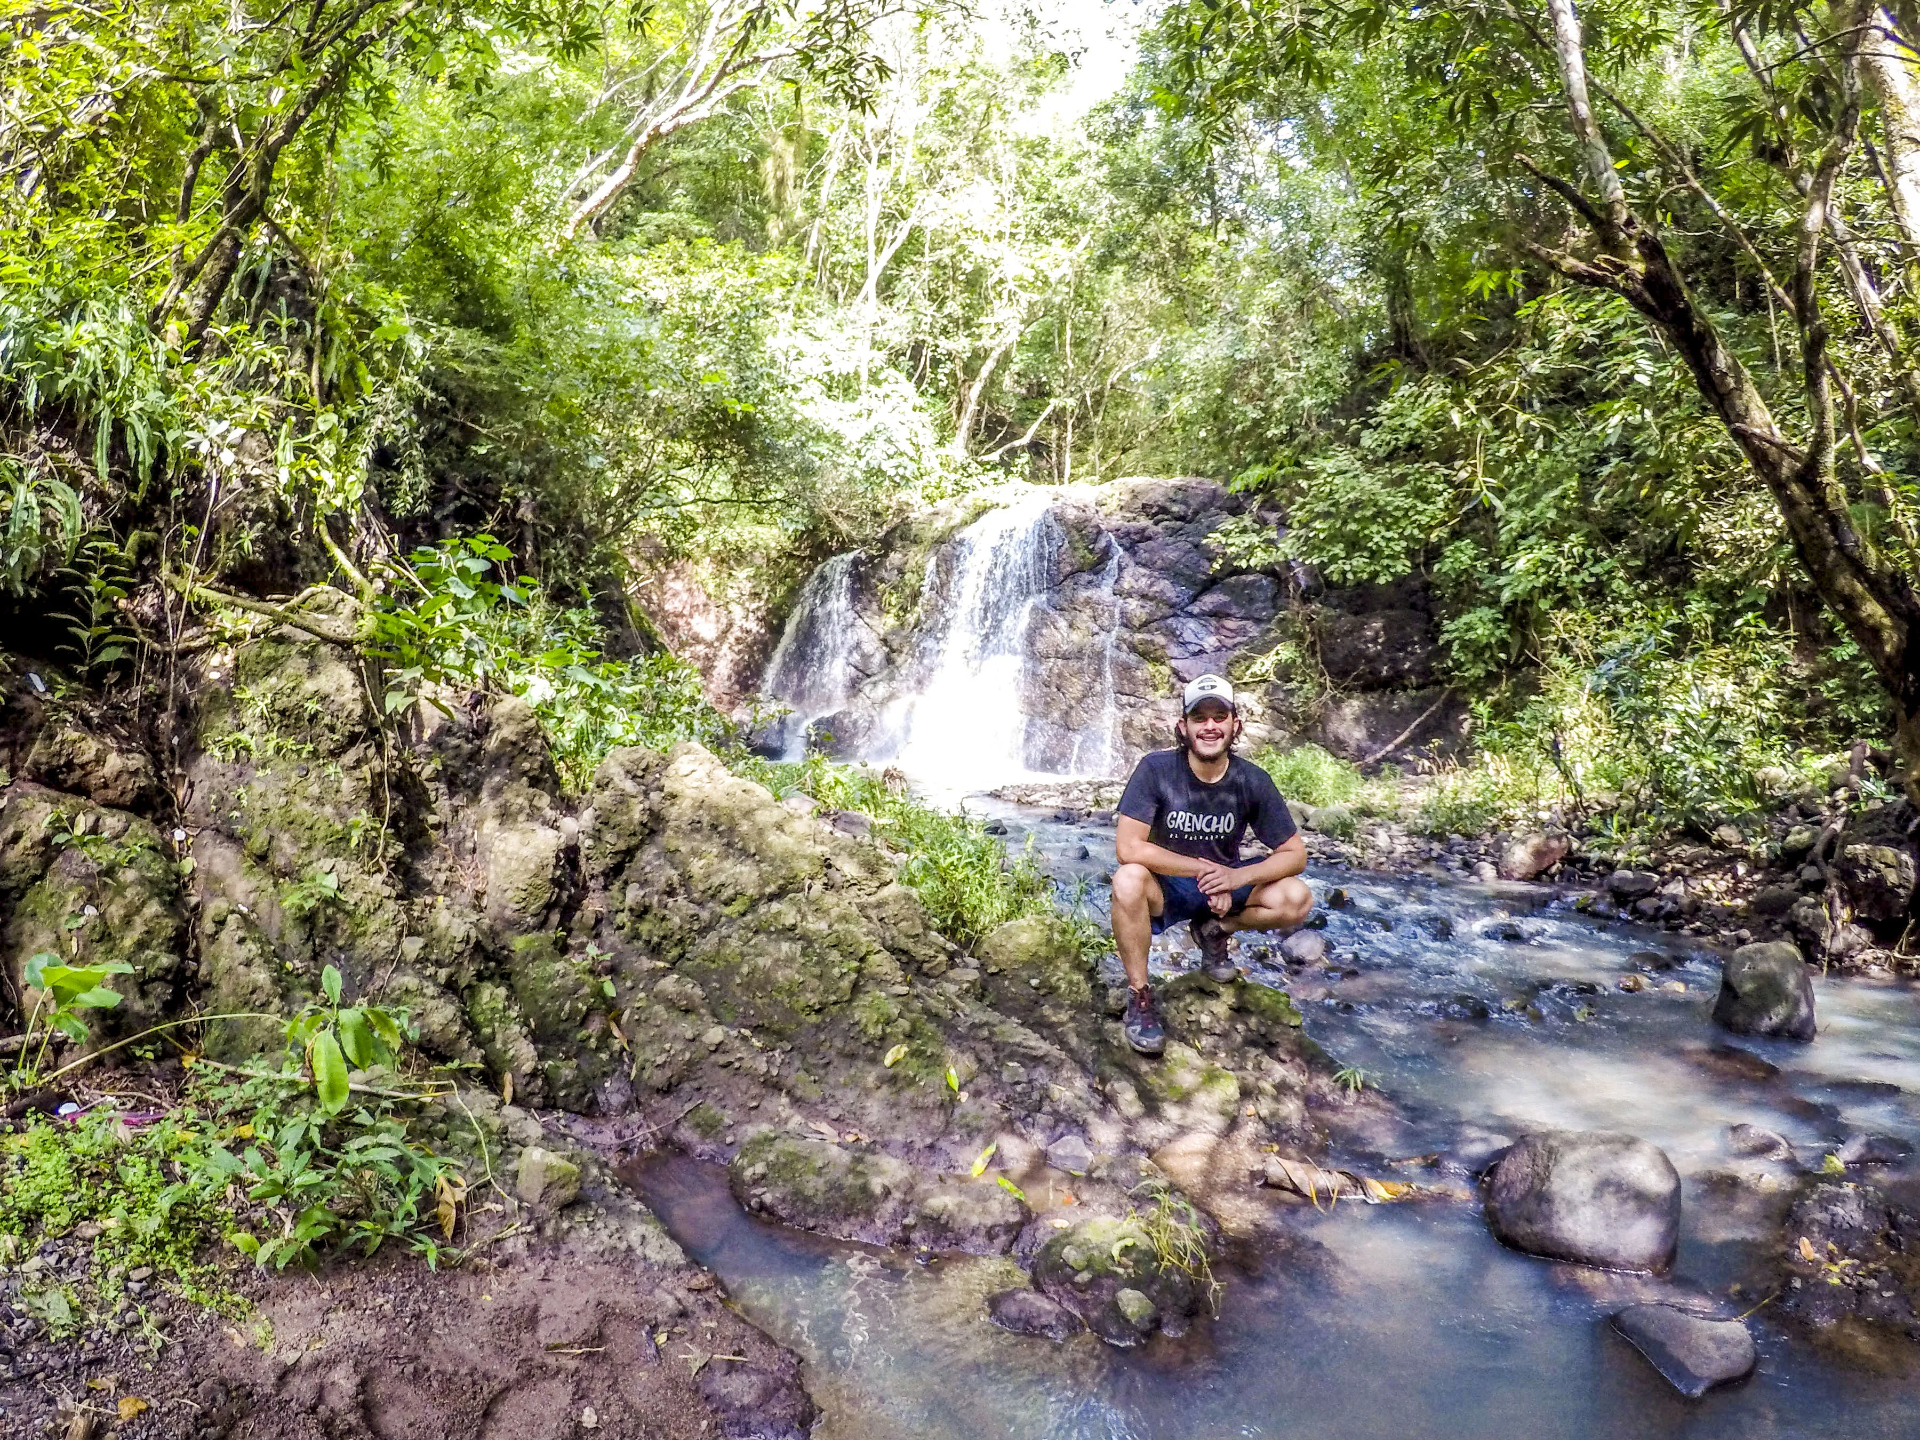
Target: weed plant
(1173, 1227)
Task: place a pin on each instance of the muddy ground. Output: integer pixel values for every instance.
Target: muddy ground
(550, 1342)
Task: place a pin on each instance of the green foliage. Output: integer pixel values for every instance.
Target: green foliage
(961, 873)
(142, 1186)
(457, 622)
(64, 991)
(1174, 1228)
(98, 586)
(1312, 775)
(43, 522)
(329, 1037)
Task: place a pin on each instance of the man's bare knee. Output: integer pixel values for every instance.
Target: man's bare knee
(1295, 900)
(1130, 885)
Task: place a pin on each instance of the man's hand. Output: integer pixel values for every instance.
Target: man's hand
(1215, 881)
(1220, 904)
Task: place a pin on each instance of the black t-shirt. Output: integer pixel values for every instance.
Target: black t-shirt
(1190, 817)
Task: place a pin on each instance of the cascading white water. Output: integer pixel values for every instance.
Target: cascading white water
(954, 713)
(966, 725)
(811, 666)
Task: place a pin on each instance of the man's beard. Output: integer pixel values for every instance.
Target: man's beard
(1185, 742)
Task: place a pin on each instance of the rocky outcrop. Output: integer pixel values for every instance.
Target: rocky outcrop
(737, 977)
(1766, 990)
(1590, 1196)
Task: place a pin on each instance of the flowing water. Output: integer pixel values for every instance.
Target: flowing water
(1401, 1320)
(957, 713)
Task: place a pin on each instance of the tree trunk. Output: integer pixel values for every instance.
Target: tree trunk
(1890, 69)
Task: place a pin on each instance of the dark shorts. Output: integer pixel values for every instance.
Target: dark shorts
(1187, 901)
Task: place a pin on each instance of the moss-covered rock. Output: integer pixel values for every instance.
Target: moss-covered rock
(1109, 1271)
(92, 886)
(821, 1186)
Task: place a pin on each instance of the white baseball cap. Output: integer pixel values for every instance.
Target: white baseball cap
(1207, 687)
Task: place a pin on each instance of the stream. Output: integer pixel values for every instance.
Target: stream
(1477, 1009)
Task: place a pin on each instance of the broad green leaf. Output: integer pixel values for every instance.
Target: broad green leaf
(980, 1160)
(356, 1037)
(330, 985)
(329, 1073)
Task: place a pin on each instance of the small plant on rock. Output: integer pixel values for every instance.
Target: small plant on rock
(64, 992)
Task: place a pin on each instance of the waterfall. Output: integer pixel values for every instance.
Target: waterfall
(966, 725)
(811, 669)
(966, 704)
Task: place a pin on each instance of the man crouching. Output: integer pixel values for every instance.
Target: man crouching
(1181, 821)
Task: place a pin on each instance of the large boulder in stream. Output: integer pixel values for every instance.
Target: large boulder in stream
(1595, 1197)
(1766, 990)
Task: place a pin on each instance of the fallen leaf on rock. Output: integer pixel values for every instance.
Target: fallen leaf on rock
(1807, 1252)
(833, 1135)
(980, 1160)
(895, 1056)
(131, 1406)
(104, 1382)
(588, 1419)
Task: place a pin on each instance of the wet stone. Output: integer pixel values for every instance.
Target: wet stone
(1028, 1312)
(1305, 947)
(1766, 990)
(1632, 884)
(1071, 1153)
(1753, 1140)
(1873, 1150)
(1595, 1197)
(1694, 1353)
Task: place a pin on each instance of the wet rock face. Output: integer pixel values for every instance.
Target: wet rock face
(1766, 990)
(1847, 1253)
(1594, 1197)
(1694, 1353)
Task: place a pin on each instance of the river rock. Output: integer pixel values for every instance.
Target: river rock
(1091, 1265)
(1766, 990)
(1530, 854)
(1028, 1312)
(1595, 1197)
(1632, 884)
(1753, 1140)
(1879, 880)
(1858, 1150)
(1305, 947)
(979, 1217)
(1072, 1153)
(815, 1185)
(543, 1178)
(1694, 1353)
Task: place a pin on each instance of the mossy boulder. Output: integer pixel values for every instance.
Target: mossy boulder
(816, 1185)
(1109, 1271)
(92, 886)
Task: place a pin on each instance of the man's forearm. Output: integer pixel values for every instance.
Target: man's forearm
(1159, 859)
(1289, 859)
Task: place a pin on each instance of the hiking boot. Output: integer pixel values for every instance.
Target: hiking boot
(1142, 1024)
(1214, 940)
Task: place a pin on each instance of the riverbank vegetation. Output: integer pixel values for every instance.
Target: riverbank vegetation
(677, 300)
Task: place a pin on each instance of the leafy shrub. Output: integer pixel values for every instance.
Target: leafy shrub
(457, 618)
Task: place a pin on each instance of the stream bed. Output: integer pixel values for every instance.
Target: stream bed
(1477, 1009)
